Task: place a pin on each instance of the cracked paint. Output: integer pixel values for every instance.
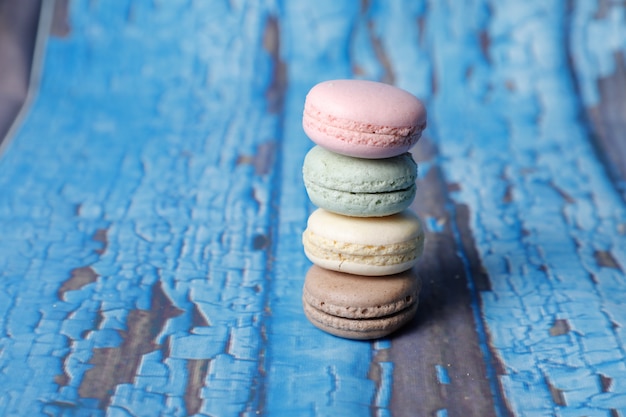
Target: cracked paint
(144, 269)
(121, 242)
(546, 242)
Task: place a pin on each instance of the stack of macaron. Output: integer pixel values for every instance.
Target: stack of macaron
(363, 239)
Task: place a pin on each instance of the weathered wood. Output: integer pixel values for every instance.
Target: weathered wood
(608, 120)
(439, 362)
(119, 365)
(510, 136)
(157, 189)
(152, 207)
(308, 372)
(18, 29)
(597, 56)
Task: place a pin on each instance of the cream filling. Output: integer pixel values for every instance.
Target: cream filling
(404, 186)
(379, 255)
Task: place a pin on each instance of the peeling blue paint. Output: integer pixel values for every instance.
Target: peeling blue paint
(538, 247)
(383, 396)
(442, 375)
(160, 159)
(139, 146)
(594, 42)
(442, 413)
(433, 224)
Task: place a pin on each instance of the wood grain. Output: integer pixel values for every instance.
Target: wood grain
(443, 340)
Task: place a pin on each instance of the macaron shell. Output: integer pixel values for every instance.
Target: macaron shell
(363, 118)
(360, 297)
(401, 227)
(368, 102)
(364, 329)
(358, 175)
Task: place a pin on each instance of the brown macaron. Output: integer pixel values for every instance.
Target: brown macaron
(359, 307)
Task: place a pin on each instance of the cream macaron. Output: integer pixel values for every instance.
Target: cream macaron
(364, 245)
(359, 307)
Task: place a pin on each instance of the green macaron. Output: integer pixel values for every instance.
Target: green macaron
(359, 187)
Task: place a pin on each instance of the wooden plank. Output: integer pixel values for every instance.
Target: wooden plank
(539, 203)
(135, 216)
(440, 362)
(309, 372)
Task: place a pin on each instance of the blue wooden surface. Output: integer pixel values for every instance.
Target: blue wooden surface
(151, 208)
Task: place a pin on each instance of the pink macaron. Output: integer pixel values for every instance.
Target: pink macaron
(363, 119)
